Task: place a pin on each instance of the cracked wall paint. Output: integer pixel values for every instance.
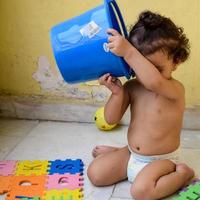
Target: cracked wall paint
(45, 77)
(53, 82)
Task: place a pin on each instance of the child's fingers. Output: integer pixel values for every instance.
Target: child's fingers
(111, 45)
(109, 80)
(111, 39)
(109, 83)
(113, 32)
(104, 78)
(112, 50)
(112, 80)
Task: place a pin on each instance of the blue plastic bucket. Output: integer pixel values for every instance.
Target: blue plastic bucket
(80, 45)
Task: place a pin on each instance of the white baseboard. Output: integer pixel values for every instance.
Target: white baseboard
(31, 109)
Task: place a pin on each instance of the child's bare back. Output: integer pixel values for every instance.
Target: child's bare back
(155, 121)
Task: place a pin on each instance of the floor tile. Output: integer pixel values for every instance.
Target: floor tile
(61, 140)
(99, 193)
(192, 158)
(122, 190)
(54, 140)
(7, 144)
(12, 127)
(190, 139)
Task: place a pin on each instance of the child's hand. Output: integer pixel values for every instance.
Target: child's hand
(112, 83)
(117, 43)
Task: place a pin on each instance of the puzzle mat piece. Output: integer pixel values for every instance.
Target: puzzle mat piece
(7, 167)
(26, 186)
(63, 195)
(27, 198)
(5, 184)
(36, 167)
(74, 166)
(64, 181)
(191, 192)
(66, 166)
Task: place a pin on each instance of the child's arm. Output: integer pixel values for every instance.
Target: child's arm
(118, 101)
(145, 71)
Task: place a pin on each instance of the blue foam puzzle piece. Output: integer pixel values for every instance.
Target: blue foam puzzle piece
(27, 198)
(66, 166)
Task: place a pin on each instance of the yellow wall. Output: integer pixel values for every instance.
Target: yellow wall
(24, 42)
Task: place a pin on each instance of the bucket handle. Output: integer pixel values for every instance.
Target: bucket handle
(113, 2)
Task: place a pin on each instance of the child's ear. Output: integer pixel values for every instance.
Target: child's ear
(175, 67)
(175, 63)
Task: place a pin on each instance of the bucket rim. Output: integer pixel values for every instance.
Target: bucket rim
(126, 69)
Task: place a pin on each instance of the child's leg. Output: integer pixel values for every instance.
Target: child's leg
(109, 168)
(160, 179)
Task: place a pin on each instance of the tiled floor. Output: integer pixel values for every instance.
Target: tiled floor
(21, 139)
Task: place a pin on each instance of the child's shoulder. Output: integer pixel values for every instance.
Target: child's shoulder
(178, 84)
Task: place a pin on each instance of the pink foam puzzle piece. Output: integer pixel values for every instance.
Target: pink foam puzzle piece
(7, 167)
(64, 181)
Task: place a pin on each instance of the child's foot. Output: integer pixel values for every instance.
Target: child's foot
(184, 169)
(101, 149)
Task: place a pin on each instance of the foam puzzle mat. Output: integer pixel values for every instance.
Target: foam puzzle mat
(42, 179)
(190, 192)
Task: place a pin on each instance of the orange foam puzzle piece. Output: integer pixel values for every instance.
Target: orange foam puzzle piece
(5, 184)
(27, 186)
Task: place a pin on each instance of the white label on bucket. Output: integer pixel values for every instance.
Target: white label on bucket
(90, 30)
(105, 47)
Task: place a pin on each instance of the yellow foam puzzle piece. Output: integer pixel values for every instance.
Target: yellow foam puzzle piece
(35, 167)
(64, 194)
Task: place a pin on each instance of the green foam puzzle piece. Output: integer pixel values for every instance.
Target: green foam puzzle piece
(192, 193)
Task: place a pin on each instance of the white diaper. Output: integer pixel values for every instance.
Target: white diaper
(137, 162)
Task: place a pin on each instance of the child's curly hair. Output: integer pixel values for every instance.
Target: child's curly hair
(154, 32)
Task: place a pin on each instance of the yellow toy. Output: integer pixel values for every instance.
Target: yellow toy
(100, 120)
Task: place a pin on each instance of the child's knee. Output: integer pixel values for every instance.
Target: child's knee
(185, 171)
(94, 175)
(142, 191)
